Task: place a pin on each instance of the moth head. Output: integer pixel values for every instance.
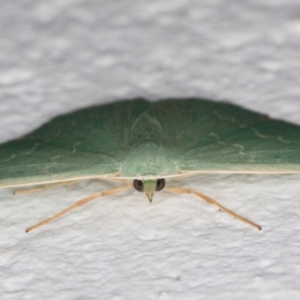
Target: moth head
(149, 186)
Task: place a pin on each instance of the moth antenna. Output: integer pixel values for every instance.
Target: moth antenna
(80, 203)
(209, 200)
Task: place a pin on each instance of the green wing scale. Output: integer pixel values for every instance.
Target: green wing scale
(140, 139)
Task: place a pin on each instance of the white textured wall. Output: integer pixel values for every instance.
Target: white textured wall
(57, 56)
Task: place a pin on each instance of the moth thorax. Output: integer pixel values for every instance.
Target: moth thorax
(148, 158)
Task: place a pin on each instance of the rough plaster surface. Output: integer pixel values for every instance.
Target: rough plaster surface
(57, 56)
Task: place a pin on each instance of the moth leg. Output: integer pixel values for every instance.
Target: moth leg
(80, 203)
(177, 190)
(43, 188)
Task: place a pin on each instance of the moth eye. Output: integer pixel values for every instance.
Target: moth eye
(138, 185)
(160, 184)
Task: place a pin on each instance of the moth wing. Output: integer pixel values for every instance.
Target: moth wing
(89, 143)
(221, 137)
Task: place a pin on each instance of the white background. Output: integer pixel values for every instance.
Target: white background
(57, 56)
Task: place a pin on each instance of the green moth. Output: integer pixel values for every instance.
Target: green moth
(149, 143)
